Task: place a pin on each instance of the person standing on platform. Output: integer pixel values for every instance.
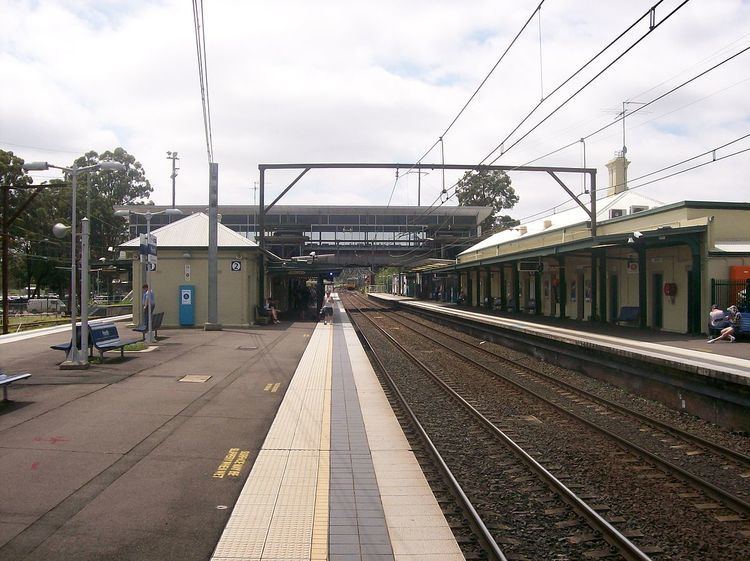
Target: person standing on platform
(148, 302)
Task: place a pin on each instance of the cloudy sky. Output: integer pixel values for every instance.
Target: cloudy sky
(343, 81)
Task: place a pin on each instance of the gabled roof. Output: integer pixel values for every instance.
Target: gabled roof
(192, 231)
(566, 218)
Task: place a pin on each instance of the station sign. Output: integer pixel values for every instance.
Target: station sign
(147, 248)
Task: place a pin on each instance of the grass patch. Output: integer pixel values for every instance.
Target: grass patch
(136, 347)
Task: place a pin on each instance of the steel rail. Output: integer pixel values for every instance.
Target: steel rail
(728, 453)
(734, 503)
(610, 534)
(478, 526)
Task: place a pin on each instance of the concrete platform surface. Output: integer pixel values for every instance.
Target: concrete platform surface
(124, 460)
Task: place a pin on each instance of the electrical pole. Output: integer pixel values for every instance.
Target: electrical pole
(173, 156)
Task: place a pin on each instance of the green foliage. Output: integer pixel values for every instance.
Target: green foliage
(39, 258)
(488, 188)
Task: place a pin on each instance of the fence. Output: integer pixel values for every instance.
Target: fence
(724, 293)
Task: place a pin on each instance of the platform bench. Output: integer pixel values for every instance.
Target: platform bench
(156, 320)
(106, 338)
(66, 346)
(7, 379)
(744, 327)
(629, 314)
(262, 316)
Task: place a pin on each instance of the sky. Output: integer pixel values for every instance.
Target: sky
(343, 81)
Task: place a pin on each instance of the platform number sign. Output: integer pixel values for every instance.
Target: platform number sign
(236, 265)
(151, 266)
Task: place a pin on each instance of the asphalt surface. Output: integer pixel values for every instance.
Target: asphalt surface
(123, 461)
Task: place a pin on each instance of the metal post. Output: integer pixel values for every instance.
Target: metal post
(503, 289)
(85, 231)
(213, 251)
(6, 241)
(642, 287)
(603, 288)
(419, 187)
(149, 289)
(73, 354)
(594, 287)
(261, 225)
(563, 289)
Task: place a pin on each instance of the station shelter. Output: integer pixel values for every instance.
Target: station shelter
(181, 274)
(650, 264)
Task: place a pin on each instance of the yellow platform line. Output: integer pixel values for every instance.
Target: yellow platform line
(319, 549)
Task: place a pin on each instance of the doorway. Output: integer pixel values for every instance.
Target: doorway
(579, 296)
(658, 296)
(614, 297)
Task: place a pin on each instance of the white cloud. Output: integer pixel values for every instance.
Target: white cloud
(343, 81)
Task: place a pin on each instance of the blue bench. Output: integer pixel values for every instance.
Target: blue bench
(106, 338)
(744, 327)
(156, 320)
(629, 314)
(66, 346)
(7, 379)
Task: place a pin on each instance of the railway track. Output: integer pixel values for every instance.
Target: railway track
(562, 510)
(634, 459)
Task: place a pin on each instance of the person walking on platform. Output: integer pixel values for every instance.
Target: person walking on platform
(327, 309)
(727, 333)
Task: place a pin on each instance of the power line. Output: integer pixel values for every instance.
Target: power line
(652, 26)
(200, 45)
(711, 152)
(643, 106)
(479, 87)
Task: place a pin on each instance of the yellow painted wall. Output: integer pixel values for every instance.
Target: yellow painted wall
(237, 293)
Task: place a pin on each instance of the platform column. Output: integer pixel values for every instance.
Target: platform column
(488, 287)
(503, 288)
(603, 285)
(594, 283)
(516, 287)
(537, 293)
(563, 297)
(642, 287)
(694, 302)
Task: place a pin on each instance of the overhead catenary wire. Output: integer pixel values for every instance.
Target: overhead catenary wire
(479, 87)
(200, 45)
(632, 187)
(652, 26)
(643, 106)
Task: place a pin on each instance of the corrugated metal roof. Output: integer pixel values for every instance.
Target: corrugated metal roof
(623, 201)
(192, 231)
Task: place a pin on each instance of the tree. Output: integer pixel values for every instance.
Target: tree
(488, 188)
(40, 258)
(108, 189)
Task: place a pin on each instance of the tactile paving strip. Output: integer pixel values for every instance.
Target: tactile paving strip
(278, 511)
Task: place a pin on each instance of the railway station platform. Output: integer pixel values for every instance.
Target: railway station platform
(269, 443)
(684, 351)
(681, 371)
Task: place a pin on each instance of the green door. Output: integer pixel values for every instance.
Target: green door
(658, 300)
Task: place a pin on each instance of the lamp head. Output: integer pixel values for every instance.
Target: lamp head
(112, 166)
(60, 230)
(35, 166)
(637, 235)
(173, 212)
(122, 212)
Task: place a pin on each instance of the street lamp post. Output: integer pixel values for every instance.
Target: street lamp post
(77, 358)
(148, 215)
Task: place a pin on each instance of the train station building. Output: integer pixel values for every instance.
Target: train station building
(650, 265)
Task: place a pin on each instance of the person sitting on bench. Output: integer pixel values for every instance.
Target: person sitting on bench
(727, 333)
(271, 310)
